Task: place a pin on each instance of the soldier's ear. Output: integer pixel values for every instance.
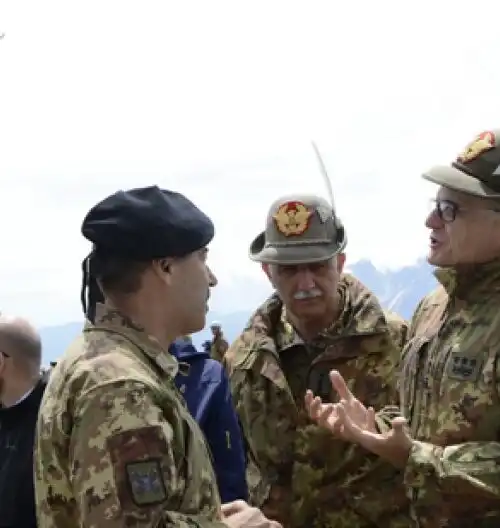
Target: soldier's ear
(163, 267)
(268, 270)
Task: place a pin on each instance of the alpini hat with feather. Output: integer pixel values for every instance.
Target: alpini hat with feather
(300, 229)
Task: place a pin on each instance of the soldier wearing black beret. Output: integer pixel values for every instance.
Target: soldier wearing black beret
(144, 230)
(112, 418)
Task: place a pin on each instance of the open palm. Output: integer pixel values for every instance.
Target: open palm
(352, 421)
(333, 416)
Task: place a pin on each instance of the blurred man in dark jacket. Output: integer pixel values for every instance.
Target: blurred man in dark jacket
(21, 391)
(205, 387)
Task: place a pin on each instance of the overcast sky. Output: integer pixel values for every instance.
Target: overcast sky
(220, 100)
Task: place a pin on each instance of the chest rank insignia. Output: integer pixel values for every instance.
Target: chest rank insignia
(483, 142)
(462, 367)
(292, 218)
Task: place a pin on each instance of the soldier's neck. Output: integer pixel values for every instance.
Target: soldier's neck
(151, 320)
(12, 395)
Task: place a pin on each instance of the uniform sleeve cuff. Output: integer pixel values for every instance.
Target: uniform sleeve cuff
(383, 418)
(420, 465)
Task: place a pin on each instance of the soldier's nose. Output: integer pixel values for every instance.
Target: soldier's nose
(305, 280)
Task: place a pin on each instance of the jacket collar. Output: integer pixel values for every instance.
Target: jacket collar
(471, 282)
(361, 314)
(109, 318)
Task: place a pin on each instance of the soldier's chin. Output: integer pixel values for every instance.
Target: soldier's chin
(435, 257)
(196, 325)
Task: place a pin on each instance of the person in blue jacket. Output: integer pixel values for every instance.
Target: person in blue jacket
(205, 387)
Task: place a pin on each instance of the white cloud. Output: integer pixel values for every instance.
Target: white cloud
(220, 100)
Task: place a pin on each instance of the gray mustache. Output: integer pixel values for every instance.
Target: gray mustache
(307, 294)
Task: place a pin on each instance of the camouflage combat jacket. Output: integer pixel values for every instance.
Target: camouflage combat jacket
(296, 472)
(218, 348)
(450, 394)
(115, 444)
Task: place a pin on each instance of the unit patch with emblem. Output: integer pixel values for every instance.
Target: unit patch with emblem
(146, 483)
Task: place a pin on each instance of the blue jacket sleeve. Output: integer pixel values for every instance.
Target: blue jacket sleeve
(225, 439)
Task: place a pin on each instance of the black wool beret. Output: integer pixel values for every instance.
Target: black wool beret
(147, 223)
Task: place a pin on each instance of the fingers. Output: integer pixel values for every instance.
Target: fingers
(341, 410)
(399, 425)
(327, 416)
(324, 415)
(400, 437)
(350, 430)
(313, 405)
(339, 384)
(308, 399)
(230, 508)
(371, 424)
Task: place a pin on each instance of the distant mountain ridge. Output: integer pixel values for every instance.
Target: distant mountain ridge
(398, 290)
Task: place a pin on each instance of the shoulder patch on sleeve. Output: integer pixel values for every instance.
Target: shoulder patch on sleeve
(140, 458)
(146, 482)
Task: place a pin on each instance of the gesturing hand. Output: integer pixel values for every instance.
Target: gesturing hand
(351, 420)
(333, 416)
(394, 445)
(239, 514)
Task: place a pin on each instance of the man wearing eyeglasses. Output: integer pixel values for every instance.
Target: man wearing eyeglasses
(21, 391)
(446, 434)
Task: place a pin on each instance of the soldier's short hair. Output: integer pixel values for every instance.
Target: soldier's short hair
(120, 275)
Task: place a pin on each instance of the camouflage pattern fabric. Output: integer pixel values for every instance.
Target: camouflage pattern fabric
(218, 348)
(296, 473)
(450, 394)
(115, 444)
